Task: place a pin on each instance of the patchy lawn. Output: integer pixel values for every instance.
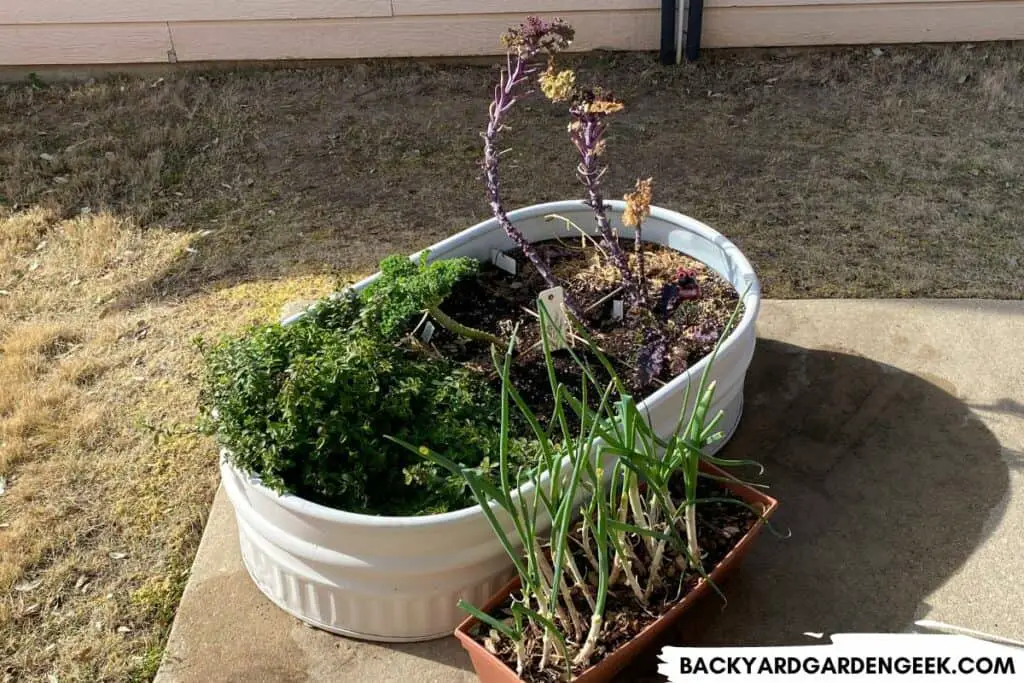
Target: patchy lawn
(137, 213)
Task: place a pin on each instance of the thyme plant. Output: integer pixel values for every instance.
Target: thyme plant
(405, 288)
(304, 406)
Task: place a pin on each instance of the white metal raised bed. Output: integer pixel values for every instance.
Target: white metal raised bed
(400, 578)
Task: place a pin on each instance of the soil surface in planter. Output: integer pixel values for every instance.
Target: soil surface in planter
(720, 527)
(496, 301)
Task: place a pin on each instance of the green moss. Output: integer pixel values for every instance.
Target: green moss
(148, 667)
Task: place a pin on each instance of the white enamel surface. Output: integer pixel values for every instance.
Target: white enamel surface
(399, 578)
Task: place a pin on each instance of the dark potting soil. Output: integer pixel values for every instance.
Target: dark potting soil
(720, 527)
(496, 302)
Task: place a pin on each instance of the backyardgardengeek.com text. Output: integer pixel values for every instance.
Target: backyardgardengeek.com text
(849, 666)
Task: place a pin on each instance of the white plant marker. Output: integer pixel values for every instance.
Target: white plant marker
(428, 332)
(503, 261)
(617, 310)
(556, 324)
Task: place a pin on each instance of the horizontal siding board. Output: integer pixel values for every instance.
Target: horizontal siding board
(131, 11)
(524, 7)
(866, 4)
(397, 37)
(59, 44)
(437, 28)
(854, 24)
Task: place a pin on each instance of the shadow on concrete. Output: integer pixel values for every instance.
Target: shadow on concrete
(886, 482)
(1006, 406)
(1014, 459)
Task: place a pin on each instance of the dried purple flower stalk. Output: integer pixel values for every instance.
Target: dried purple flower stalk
(589, 111)
(638, 209)
(524, 45)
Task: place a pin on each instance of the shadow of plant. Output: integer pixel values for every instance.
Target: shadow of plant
(886, 482)
(1007, 406)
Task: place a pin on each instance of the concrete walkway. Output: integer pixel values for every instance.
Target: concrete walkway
(893, 435)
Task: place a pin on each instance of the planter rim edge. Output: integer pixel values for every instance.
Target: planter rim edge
(751, 300)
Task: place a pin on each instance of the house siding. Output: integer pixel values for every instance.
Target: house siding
(73, 32)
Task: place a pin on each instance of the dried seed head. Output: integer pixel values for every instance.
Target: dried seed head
(535, 35)
(594, 102)
(558, 86)
(603, 106)
(638, 203)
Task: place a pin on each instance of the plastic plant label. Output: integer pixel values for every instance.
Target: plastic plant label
(617, 310)
(503, 261)
(428, 332)
(551, 306)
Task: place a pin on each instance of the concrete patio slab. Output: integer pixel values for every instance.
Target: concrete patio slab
(891, 431)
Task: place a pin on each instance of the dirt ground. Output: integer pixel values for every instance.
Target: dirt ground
(139, 212)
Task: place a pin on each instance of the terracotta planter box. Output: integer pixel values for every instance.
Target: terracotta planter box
(490, 669)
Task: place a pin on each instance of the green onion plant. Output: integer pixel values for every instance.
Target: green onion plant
(601, 475)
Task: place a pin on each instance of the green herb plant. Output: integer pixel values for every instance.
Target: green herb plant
(603, 481)
(405, 288)
(305, 406)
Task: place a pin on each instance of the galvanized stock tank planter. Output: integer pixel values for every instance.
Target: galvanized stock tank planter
(399, 578)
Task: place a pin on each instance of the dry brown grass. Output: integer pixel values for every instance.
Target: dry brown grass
(107, 485)
(165, 209)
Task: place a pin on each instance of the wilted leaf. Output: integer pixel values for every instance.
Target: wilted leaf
(683, 288)
(650, 360)
(707, 335)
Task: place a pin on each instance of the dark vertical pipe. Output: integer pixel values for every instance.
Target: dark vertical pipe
(668, 31)
(694, 26)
